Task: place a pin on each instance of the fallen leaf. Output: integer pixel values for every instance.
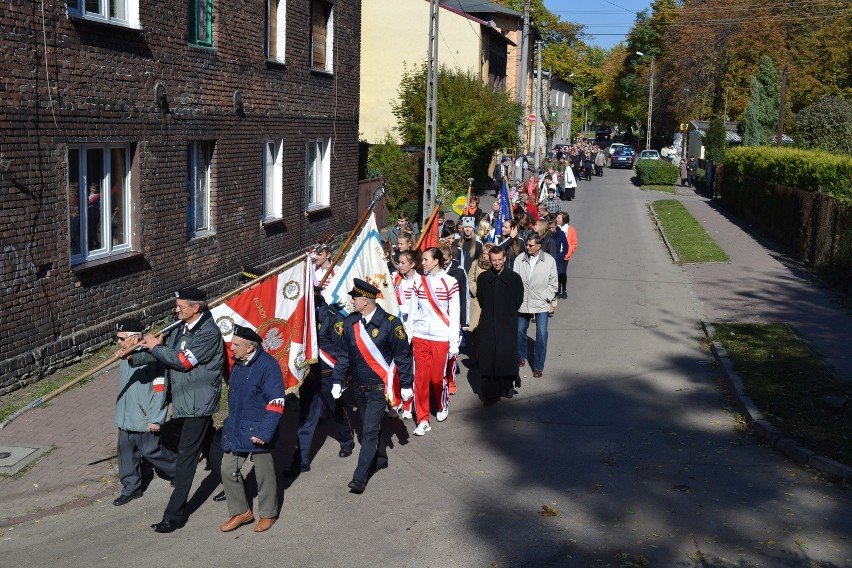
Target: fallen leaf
(548, 511)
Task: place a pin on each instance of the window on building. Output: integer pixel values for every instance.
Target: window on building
(322, 35)
(318, 174)
(99, 201)
(198, 184)
(276, 28)
(201, 22)
(116, 12)
(273, 180)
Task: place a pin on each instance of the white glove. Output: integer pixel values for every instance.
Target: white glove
(454, 351)
(336, 391)
(406, 394)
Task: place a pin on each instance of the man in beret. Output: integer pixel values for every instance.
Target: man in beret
(375, 345)
(140, 410)
(194, 356)
(255, 405)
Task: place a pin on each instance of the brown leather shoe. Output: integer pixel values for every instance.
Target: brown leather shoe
(521, 362)
(263, 524)
(536, 373)
(237, 521)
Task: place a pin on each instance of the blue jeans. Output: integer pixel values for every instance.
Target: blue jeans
(540, 354)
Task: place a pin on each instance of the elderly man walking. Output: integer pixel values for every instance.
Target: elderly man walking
(537, 270)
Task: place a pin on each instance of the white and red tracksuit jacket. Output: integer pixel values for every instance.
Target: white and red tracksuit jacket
(433, 309)
(404, 288)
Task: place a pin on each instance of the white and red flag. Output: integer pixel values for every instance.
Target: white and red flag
(281, 310)
(366, 260)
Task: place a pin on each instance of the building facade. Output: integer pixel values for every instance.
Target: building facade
(147, 146)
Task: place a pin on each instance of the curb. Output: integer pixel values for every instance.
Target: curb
(776, 439)
(672, 253)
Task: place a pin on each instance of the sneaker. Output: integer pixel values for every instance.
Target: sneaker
(392, 413)
(406, 415)
(422, 428)
(442, 414)
(452, 387)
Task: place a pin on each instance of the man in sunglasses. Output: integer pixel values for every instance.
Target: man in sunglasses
(140, 410)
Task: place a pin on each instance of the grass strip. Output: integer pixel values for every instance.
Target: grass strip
(789, 384)
(689, 239)
(663, 188)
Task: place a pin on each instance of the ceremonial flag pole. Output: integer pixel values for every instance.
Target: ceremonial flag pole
(427, 227)
(85, 375)
(378, 195)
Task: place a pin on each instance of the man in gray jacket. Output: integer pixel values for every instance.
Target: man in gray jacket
(194, 356)
(140, 410)
(537, 270)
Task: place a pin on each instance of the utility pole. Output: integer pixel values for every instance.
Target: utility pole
(522, 87)
(537, 105)
(781, 104)
(430, 169)
(650, 107)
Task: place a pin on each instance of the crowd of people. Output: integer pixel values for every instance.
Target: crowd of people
(478, 291)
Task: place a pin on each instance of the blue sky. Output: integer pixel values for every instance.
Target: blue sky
(607, 21)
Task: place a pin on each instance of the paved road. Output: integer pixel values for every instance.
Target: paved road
(628, 435)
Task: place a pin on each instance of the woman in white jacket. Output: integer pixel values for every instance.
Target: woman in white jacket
(433, 325)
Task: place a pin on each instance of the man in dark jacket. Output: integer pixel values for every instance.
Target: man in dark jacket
(194, 356)
(255, 405)
(500, 293)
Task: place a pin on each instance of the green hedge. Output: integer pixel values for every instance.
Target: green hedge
(657, 172)
(805, 169)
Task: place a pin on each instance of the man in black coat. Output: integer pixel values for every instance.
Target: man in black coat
(500, 293)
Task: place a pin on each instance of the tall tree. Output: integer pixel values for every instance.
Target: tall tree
(761, 115)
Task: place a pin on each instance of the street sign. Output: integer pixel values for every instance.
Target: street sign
(459, 203)
(554, 114)
(531, 118)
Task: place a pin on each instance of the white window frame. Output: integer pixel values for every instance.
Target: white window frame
(273, 180)
(329, 39)
(318, 174)
(195, 160)
(77, 9)
(280, 30)
(108, 249)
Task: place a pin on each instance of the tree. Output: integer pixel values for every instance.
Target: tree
(401, 171)
(826, 125)
(473, 121)
(715, 142)
(761, 115)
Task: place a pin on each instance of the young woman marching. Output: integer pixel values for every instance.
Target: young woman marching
(433, 325)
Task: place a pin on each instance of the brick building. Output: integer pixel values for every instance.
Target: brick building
(148, 145)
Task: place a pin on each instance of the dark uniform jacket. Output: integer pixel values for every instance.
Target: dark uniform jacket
(329, 335)
(194, 361)
(255, 404)
(388, 334)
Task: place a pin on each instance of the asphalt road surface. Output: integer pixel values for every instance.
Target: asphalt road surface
(627, 439)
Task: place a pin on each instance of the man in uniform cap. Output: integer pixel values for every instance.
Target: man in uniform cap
(374, 347)
(140, 410)
(255, 405)
(194, 356)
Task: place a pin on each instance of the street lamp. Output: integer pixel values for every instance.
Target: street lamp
(585, 112)
(650, 103)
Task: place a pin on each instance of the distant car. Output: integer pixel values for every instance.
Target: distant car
(603, 133)
(622, 159)
(629, 148)
(649, 155)
(614, 147)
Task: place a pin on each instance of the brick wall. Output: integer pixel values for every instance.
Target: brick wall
(70, 81)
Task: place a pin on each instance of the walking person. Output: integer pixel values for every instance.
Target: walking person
(376, 353)
(255, 406)
(537, 270)
(570, 235)
(691, 170)
(499, 293)
(684, 173)
(194, 356)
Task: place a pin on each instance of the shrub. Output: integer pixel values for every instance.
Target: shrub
(657, 172)
(826, 125)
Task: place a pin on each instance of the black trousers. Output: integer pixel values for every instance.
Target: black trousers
(371, 407)
(193, 434)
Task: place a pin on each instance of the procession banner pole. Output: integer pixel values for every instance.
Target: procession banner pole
(80, 378)
(430, 220)
(378, 195)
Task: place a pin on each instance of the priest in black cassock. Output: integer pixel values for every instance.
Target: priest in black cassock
(500, 293)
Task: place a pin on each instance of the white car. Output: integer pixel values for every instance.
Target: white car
(649, 155)
(613, 148)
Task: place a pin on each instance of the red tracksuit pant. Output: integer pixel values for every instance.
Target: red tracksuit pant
(430, 362)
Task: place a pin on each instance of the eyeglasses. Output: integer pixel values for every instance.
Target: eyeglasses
(533, 244)
(181, 308)
(118, 337)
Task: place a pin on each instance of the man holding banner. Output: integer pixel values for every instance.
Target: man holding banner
(376, 353)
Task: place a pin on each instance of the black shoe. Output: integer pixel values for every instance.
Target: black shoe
(490, 401)
(168, 526)
(125, 499)
(219, 497)
(344, 453)
(305, 468)
(357, 486)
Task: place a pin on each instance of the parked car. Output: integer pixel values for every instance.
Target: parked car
(629, 148)
(622, 159)
(649, 155)
(614, 147)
